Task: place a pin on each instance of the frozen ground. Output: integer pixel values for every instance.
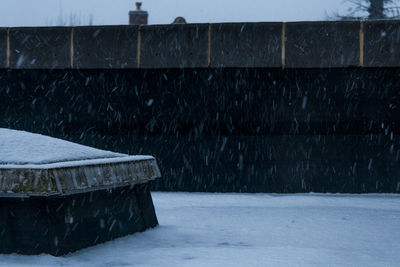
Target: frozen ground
(199, 229)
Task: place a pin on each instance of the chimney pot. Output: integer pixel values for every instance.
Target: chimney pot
(138, 16)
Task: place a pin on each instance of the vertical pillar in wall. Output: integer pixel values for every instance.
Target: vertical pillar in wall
(361, 44)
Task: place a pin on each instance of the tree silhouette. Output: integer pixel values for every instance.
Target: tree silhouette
(375, 9)
(71, 20)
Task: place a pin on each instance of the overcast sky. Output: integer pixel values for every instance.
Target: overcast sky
(47, 12)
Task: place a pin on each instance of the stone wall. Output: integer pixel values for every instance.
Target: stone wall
(243, 107)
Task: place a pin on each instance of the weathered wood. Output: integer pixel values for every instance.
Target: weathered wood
(45, 179)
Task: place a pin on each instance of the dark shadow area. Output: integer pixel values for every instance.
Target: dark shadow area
(226, 130)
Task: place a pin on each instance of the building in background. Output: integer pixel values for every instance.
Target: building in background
(179, 20)
(138, 16)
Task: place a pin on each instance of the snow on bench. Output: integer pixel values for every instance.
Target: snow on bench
(37, 164)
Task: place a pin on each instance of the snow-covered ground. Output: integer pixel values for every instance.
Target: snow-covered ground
(201, 229)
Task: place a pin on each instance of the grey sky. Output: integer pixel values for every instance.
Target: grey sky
(45, 12)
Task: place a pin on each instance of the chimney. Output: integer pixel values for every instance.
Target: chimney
(138, 16)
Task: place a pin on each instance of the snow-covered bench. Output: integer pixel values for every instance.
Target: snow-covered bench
(57, 196)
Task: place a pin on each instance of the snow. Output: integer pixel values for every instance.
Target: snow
(76, 163)
(19, 147)
(203, 229)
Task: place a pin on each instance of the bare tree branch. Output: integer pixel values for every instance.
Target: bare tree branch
(371, 10)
